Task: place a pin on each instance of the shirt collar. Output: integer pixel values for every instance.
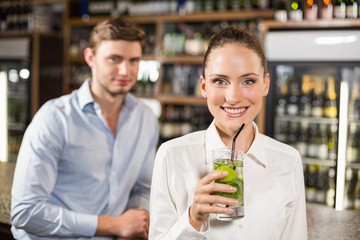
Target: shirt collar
(84, 95)
(86, 99)
(255, 152)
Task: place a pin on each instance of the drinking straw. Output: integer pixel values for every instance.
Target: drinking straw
(234, 140)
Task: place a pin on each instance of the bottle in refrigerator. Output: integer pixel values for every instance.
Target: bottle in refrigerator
(351, 179)
(305, 98)
(330, 103)
(353, 144)
(302, 142)
(281, 106)
(332, 141)
(330, 193)
(357, 193)
(354, 103)
(293, 99)
(317, 98)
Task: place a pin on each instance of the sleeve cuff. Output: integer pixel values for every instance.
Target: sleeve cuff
(85, 224)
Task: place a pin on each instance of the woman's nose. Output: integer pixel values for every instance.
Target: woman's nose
(233, 95)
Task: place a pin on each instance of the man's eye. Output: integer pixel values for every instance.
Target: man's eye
(115, 59)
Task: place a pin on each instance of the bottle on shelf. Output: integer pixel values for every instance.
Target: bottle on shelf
(295, 11)
(321, 185)
(311, 10)
(351, 179)
(327, 9)
(317, 98)
(283, 95)
(292, 136)
(292, 107)
(332, 141)
(354, 103)
(305, 98)
(321, 142)
(330, 103)
(312, 148)
(302, 141)
(353, 144)
(310, 175)
(281, 14)
(351, 9)
(357, 193)
(340, 9)
(330, 192)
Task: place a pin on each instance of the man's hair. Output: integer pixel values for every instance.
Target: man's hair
(116, 29)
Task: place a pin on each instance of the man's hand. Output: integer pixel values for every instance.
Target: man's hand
(133, 224)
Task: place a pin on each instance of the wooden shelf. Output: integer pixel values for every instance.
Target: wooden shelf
(194, 17)
(306, 24)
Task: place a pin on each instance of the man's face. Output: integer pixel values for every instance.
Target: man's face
(115, 66)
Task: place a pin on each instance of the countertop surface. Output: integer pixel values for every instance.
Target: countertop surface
(323, 222)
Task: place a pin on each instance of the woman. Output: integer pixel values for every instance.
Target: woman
(182, 203)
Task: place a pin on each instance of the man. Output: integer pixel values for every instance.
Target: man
(85, 163)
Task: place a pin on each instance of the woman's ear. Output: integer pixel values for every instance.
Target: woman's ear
(202, 86)
(89, 56)
(266, 84)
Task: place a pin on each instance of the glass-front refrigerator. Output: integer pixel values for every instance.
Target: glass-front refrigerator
(14, 95)
(314, 106)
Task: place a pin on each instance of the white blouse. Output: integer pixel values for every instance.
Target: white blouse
(274, 192)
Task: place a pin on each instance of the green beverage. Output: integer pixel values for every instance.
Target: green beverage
(235, 178)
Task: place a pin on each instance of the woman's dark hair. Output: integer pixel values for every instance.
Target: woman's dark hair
(235, 35)
(116, 29)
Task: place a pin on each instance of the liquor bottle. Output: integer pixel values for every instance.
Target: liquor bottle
(351, 9)
(317, 98)
(332, 141)
(354, 103)
(312, 145)
(311, 10)
(293, 99)
(351, 179)
(321, 142)
(321, 185)
(353, 144)
(305, 98)
(340, 9)
(292, 134)
(310, 191)
(302, 142)
(295, 11)
(281, 106)
(280, 11)
(327, 9)
(357, 193)
(281, 131)
(330, 193)
(330, 104)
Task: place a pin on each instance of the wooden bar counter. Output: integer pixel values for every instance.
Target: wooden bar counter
(323, 222)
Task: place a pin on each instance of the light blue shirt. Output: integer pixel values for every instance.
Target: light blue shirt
(71, 168)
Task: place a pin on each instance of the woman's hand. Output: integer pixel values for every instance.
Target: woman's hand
(205, 199)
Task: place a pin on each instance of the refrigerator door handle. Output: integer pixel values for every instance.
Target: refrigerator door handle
(343, 129)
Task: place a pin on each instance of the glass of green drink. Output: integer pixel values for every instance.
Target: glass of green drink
(222, 162)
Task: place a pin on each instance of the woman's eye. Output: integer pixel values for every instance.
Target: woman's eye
(249, 81)
(219, 82)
